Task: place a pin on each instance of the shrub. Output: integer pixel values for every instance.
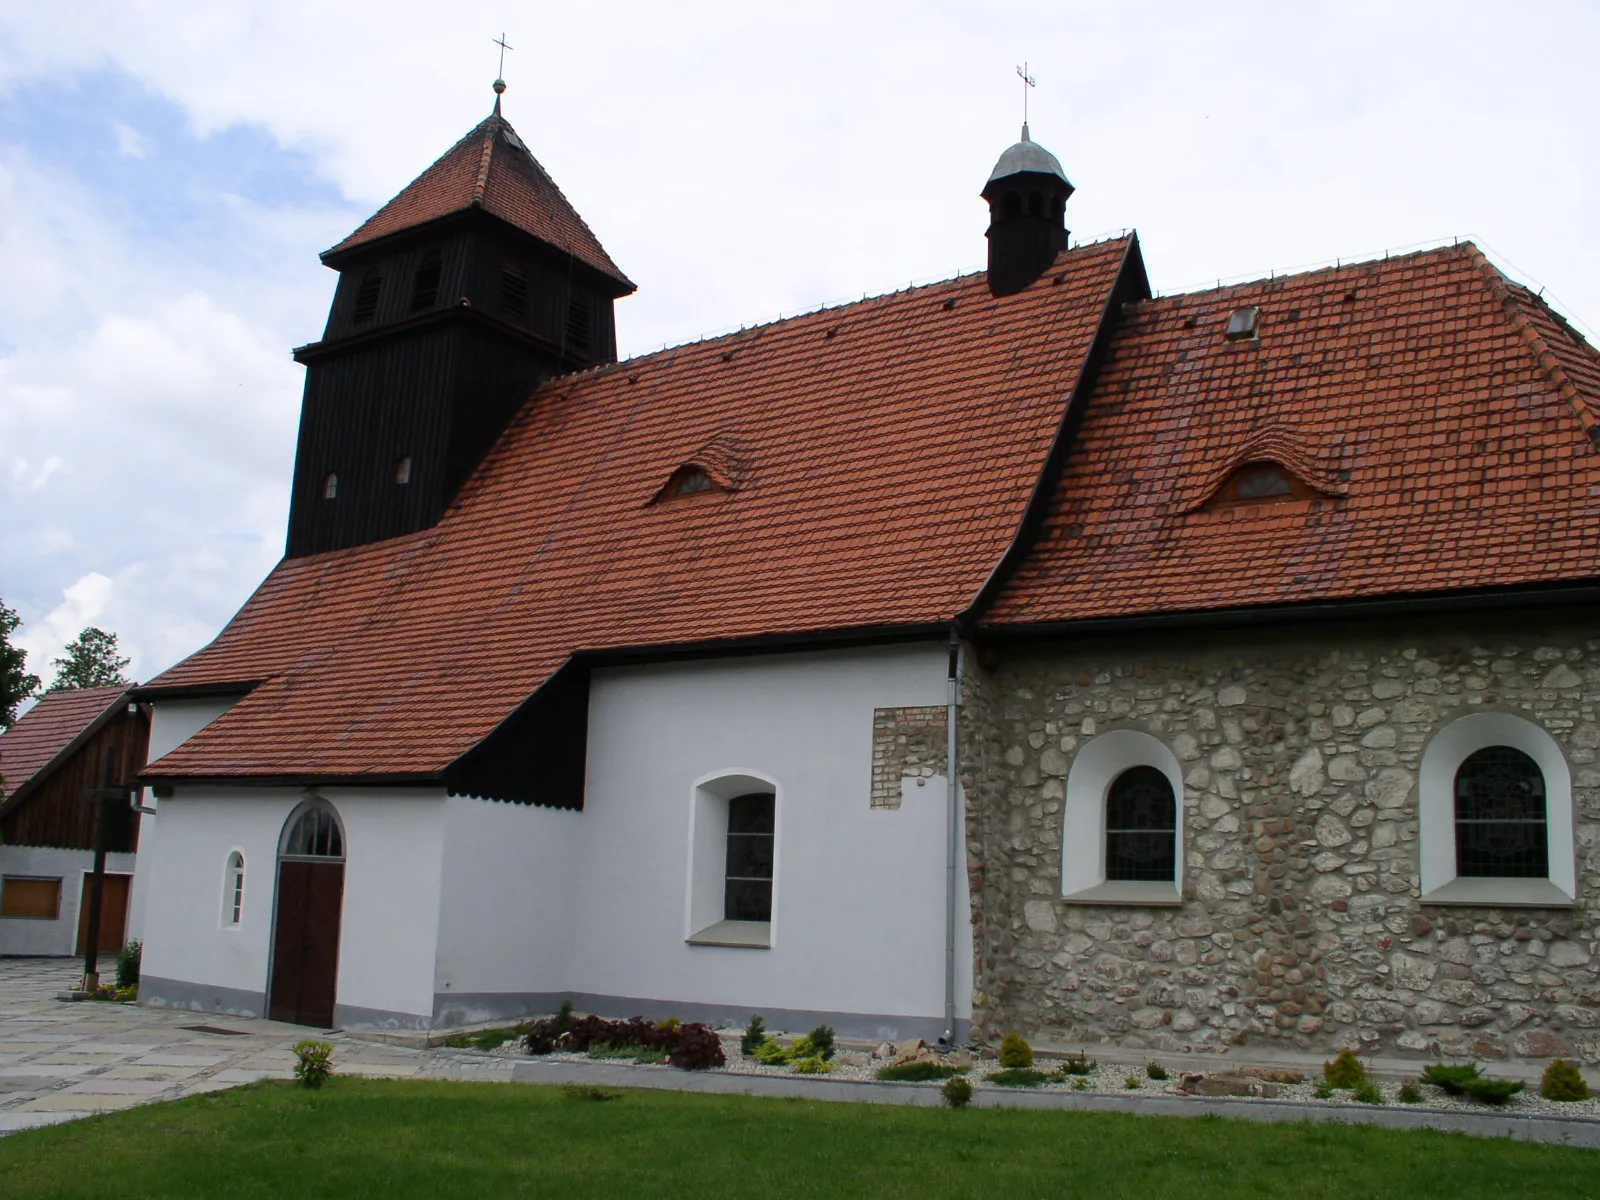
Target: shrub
(957, 1092)
(1155, 1070)
(541, 1037)
(1492, 1091)
(801, 1047)
(1411, 1092)
(1323, 1090)
(920, 1071)
(1015, 1051)
(769, 1053)
(1131, 1082)
(698, 1049)
(1345, 1071)
(754, 1034)
(670, 1025)
(607, 1050)
(1563, 1081)
(822, 1041)
(563, 1020)
(1450, 1078)
(1080, 1084)
(1367, 1092)
(315, 1062)
(814, 1065)
(1078, 1064)
(650, 1057)
(1018, 1077)
(128, 964)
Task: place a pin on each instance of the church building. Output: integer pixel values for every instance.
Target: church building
(1020, 651)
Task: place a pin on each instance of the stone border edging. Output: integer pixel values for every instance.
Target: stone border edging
(1531, 1127)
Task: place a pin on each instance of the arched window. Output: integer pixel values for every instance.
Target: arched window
(425, 286)
(1011, 205)
(733, 859)
(1141, 826)
(1495, 815)
(402, 469)
(1036, 204)
(330, 486)
(1500, 816)
(1122, 823)
(315, 834)
(233, 890)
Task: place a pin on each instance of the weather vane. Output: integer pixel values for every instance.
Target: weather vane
(1028, 81)
(500, 75)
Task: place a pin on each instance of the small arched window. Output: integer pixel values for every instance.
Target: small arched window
(1141, 827)
(425, 285)
(233, 890)
(402, 469)
(1011, 205)
(513, 289)
(366, 306)
(1500, 816)
(330, 486)
(315, 835)
(1036, 204)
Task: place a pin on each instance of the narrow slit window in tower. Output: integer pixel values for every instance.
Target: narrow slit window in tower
(425, 287)
(578, 323)
(367, 297)
(513, 289)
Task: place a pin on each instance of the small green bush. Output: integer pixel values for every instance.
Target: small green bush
(1411, 1092)
(1452, 1078)
(1080, 1084)
(771, 1054)
(814, 1064)
(563, 1020)
(1323, 1090)
(314, 1062)
(822, 1041)
(670, 1025)
(1155, 1070)
(1015, 1051)
(1131, 1082)
(920, 1071)
(1019, 1077)
(1563, 1081)
(957, 1092)
(1492, 1091)
(128, 964)
(754, 1034)
(1078, 1064)
(1345, 1071)
(1367, 1092)
(801, 1047)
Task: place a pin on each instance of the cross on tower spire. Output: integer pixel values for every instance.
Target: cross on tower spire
(1028, 81)
(499, 77)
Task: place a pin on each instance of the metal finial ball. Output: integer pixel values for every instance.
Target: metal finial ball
(499, 86)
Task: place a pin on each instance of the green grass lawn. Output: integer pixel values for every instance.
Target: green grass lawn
(397, 1139)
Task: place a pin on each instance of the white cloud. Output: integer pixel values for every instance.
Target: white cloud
(130, 142)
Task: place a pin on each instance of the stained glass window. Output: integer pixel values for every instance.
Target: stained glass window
(1500, 816)
(1141, 827)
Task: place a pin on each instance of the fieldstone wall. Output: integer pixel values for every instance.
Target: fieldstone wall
(1301, 924)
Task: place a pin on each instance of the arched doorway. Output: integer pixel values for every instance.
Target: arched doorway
(305, 940)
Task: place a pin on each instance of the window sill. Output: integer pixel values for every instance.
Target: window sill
(1500, 893)
(1122, 892)
(744, 935)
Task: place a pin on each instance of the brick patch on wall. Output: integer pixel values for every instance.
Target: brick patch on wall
(907, 743)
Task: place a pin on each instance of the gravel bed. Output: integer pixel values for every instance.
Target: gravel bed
(1110, 1079)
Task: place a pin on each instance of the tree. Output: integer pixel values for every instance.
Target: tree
(89, 661)
(16, 685)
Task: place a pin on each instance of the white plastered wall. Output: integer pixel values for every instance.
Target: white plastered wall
(30, 935)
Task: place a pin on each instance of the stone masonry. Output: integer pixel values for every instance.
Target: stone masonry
(1301, 924)
(907, 743)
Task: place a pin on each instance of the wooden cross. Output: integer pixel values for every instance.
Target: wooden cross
(1028, 81)
(501, 42)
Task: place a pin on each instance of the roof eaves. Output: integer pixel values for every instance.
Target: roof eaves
(30, 784)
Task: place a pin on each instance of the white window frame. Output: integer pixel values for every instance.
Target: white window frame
(704, 924)
(233, 886)
(1449, 747)
(1083, 820)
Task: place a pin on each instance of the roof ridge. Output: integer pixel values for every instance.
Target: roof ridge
(1338, 266)
(1500, 288)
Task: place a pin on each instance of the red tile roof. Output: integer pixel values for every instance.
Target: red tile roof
(45, 730)
(1445, 415)
(880, 458)
(491, 169)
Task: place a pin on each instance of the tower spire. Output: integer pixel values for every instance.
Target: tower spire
(499, 75)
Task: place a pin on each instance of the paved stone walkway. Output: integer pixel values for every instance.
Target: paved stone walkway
(60, 1061)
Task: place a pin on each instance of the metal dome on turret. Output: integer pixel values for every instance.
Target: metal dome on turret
(1028, 155)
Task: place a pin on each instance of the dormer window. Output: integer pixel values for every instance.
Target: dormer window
(366, 306)
(1261, 482)
(690, 480)
(513, 289)
(330, 486)
(425, 287)
(1243, 324)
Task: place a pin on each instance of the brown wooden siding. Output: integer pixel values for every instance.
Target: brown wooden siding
(54, 813)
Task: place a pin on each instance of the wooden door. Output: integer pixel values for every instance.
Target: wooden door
(113, 913)
(305, 950)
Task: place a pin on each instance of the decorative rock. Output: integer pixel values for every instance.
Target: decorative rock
(1538, 1043)
(910, 1047)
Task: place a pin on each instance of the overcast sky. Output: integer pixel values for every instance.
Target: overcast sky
(169, 170)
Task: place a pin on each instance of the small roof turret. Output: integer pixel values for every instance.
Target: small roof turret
(1028, 155)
